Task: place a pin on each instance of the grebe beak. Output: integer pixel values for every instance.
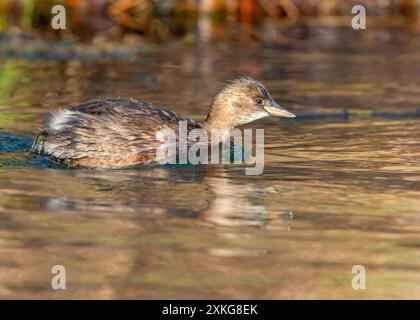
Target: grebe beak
(276, 110)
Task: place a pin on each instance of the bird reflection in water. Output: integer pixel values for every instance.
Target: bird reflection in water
(213, 196)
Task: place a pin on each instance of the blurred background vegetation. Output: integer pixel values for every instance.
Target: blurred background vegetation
(162, 20)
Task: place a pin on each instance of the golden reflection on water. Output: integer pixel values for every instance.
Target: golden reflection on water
(211, 232)
(334, 193)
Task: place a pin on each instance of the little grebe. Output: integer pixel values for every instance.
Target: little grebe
(117, 132)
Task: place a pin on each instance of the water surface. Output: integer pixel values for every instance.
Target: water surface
(341, 184)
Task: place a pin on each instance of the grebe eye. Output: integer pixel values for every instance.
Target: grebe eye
(258, 100)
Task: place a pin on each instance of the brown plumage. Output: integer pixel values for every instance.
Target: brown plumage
(118, 132)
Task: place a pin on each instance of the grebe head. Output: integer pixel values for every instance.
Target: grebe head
(241, 101)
